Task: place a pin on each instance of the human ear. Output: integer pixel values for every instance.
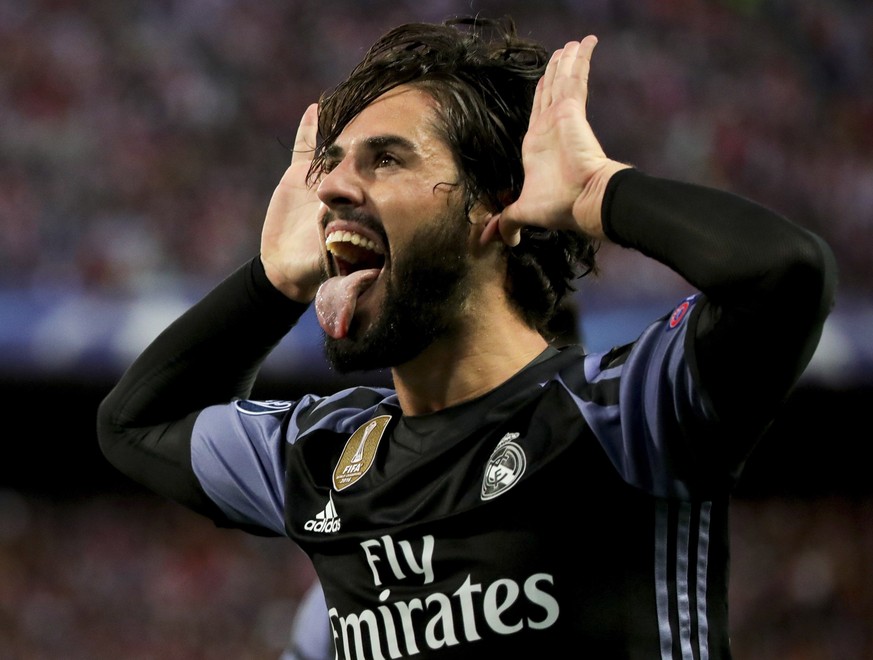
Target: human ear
(490, 229)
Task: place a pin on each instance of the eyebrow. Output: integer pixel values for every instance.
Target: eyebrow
(375, 143)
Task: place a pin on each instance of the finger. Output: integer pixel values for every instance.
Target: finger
(566, 83)
(582, 66)
(304, 141)
(548, 77)
(571, 76)
(536, 107)
(510, 231)
(562, 69)
(567, 61)
(498, 228)
(586, 49)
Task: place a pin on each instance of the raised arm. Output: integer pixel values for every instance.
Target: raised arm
(292, 248)
(566, 170)
(213, 352)
(768, 283)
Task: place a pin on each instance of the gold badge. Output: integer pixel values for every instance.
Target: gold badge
(359, 453)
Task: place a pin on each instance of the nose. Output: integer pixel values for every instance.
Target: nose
(341, 186)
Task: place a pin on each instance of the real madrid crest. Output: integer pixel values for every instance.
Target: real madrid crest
(505, 467)
(359, 453)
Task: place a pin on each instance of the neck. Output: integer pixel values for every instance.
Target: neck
(471, 362)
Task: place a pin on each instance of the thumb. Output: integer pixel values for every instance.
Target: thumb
(509, 226)
(500, 228)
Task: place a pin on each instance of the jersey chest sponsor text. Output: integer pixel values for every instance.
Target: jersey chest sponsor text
(434, 619)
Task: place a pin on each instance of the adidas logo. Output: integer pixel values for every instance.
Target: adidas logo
(326, 521)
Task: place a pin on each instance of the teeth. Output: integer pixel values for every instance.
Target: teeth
(350, 237)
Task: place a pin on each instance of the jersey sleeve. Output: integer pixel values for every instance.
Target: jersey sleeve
(767, 287)
(311, 637)
(240, 451)
(209, 356)
(238, 457)
(643, 405)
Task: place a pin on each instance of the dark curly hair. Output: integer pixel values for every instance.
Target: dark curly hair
(483, 76)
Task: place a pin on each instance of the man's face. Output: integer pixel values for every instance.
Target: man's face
(396, 235)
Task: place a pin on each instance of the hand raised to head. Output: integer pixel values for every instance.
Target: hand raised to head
(291, 243)
(565, 167)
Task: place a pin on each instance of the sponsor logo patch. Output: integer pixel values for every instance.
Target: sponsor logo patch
(505, 467)
(359, 453)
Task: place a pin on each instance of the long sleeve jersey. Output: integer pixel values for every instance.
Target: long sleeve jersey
(582, 505)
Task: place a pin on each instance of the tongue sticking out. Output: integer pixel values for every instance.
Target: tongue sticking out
(337, 298)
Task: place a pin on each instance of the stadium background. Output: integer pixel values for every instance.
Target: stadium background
(139, 145)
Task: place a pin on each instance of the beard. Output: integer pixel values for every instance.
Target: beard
(424, 294)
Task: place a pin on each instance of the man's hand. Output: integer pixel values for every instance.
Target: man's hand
(565, 168)
(291, 244)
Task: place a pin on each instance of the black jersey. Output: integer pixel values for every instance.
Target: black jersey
(580, 507)
(574, 476)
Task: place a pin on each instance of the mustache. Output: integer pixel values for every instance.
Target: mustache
(362, 218)
(357, 216)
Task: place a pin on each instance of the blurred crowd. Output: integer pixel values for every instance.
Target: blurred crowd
(140, 140)
(802, 579)
(138, 578)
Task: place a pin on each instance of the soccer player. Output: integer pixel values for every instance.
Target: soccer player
(505, 495)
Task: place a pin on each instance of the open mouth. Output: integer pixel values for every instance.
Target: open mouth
(355, 259)
(351, 252)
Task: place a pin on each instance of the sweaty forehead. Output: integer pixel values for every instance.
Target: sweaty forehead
(407, 114)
